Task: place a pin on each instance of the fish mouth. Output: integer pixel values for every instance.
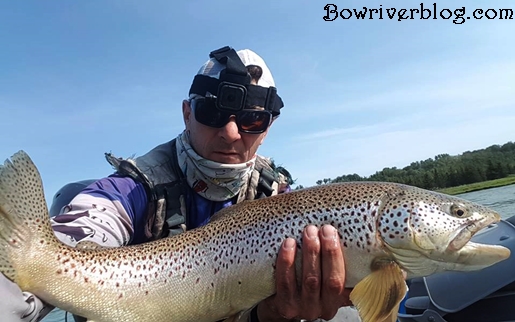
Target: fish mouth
(473, 256)
(469, 230)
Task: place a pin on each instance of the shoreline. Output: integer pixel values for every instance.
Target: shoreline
(478, 186)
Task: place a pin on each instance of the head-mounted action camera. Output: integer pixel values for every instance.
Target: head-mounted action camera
(232, 91)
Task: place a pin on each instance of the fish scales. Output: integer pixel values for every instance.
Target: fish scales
(227, 266)
(194, 260)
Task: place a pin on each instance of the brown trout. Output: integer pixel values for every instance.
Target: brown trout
(227, 266)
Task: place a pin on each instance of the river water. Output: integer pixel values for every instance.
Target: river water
(501, 199)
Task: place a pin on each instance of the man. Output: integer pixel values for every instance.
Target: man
(212, 164)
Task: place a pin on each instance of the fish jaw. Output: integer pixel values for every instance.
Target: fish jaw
(433, 233)
(468, 230)
(473, 256)
(470, 256)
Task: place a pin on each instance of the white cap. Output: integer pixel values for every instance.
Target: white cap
(213, 68)
(208, 76)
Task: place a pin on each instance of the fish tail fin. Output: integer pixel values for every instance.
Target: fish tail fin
(24, 218)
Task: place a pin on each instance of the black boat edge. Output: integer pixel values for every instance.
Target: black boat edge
(487, 295)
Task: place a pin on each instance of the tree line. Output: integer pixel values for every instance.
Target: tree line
(444, 170)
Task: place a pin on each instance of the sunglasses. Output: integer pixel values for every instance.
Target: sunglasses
(248, 121)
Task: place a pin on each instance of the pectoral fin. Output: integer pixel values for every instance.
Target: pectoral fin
(393, 316)
(377, 296)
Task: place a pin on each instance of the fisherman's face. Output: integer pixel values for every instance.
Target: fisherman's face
(225, 144)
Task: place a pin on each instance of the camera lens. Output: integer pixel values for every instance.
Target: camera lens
(231, 97)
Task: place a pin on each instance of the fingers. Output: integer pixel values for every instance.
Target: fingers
(323, 273)
(333, 294)
(311, 274)
(322, 291)
(285, 301)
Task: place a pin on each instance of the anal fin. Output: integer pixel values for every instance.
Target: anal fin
(378, 295)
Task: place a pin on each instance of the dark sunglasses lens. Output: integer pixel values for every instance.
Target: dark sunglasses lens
(206, 113)
(253, 121)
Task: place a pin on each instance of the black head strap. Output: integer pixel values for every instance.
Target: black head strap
(236, 72)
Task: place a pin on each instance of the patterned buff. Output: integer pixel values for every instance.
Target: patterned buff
(212, 180)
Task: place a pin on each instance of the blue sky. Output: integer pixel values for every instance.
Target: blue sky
(80, 78)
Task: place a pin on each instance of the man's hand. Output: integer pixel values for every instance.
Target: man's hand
(322, 291)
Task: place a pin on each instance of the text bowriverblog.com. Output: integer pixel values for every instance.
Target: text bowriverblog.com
(423, 12)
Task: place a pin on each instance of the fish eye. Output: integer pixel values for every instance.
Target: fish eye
(458, 211)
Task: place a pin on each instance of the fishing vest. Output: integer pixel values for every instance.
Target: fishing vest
(166, 186)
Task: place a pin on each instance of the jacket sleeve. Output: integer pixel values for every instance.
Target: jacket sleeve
(109, 212)
(18, 306)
